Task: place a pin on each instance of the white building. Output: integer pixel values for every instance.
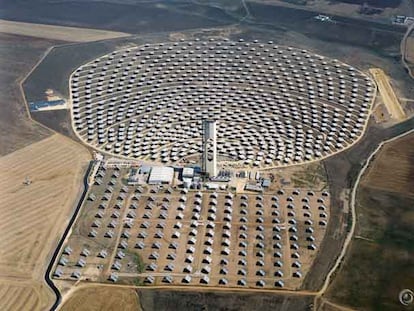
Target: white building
(188, 172)
(161, 175)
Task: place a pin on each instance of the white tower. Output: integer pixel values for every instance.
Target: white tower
(209, 148)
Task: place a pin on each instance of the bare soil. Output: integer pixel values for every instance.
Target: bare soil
(110, 298)
(352, 8)
(396, 160)
(57, 120)
(104, 299)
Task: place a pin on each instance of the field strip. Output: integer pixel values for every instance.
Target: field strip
(30, 229)
(387, 94)
(54, 32)
(21, 295)
(202, 288)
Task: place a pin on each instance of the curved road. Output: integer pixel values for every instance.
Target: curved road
(63, 238)
(353, 212)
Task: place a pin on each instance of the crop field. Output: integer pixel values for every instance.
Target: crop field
(384, 234)
(410, 50)
(131, 17)
(395, 159)
(159, 236)
(108, 298)
(33, 216)
(199, 246)
(104, 299)
(57, 32)
(24, 295)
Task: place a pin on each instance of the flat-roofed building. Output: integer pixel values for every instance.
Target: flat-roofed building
(188, 172)
(161, 175)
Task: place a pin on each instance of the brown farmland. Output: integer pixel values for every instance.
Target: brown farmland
(34, 216)
(393, 168)
(57, 32)
(104, 299)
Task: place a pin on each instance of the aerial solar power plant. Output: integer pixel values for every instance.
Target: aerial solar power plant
(273, 105)
(185, 236)
(198, 128)
(220, 155)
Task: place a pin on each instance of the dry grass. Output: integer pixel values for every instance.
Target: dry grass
(326, 305)
(26, 295)
(72, 34)
(104, 298)
(395, 159)
(380, 113)
(34, 216)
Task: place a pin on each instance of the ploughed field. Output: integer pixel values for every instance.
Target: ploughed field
(396, 160)
(34, 215)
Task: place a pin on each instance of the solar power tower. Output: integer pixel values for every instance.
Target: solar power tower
(209, 148)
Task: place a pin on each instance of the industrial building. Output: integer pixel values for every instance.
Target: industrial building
(161, 175)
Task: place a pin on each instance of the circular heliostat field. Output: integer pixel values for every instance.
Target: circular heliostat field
(274, 105)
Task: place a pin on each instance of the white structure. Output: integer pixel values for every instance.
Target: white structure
(209, 148)
(161, 175)
(188, 172)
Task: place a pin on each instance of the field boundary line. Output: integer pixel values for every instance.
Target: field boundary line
(83, 284)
